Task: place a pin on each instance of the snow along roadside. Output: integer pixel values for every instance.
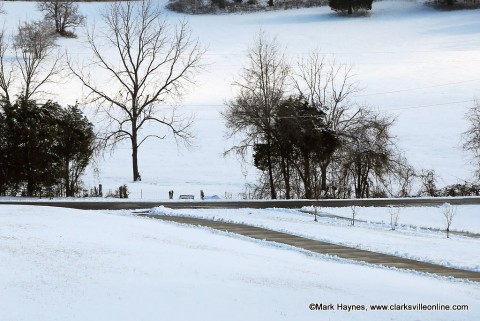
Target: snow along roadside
(426, 246)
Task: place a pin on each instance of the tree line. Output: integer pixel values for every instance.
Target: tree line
(306, 135)
(299, 122)
(158, 63)
(300, 126)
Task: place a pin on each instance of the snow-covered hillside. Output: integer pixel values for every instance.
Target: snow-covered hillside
(415, 62)
(63, 264)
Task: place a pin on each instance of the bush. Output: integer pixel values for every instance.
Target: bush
(465, 189)
(189, 6)
(120, 192)
(219, 3)
(454, 4)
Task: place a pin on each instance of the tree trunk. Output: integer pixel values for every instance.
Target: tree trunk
(273, 193)
(270, 3)
(136, 174)
(30, 184)
(307, 180)
(286, 177)
(68, 188)
(358, 185)
(323, 171)
(58, 26)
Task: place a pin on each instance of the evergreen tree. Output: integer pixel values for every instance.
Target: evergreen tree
(348, 6)
(305, 128)
(4, 163)
(42, 147)
(30, 134)
(75, 147)
(302, 139)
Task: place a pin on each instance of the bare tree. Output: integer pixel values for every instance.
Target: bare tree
(63, 14)
(449, 213)
(329, 87)
(6, 72)
(354, 210)
(261, 89)
(429, 181)
(150, 63)
(34, 44)
(36, 62)
(407, 176)
(472, 135)
(394, 217)
(368, 154)
(316, 211)
(2, 10)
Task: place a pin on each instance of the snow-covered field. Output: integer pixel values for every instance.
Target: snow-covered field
(415, 62)
(63, 264)
(414, 238)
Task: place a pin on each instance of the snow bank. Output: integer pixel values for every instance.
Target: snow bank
(374, 234)
(63, 264)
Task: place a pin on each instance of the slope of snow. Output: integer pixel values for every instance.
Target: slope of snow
(374, 233)
(62, 264)
(415, 62)
(467, 217)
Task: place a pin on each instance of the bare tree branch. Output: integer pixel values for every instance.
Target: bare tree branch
(150, 64)
(471, 137)
(261, 88)
(35, 61)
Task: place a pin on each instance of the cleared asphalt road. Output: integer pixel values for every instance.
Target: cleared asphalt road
(135, 205)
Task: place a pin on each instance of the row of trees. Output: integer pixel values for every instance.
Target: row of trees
(343, 7)
(309, 139)
(307, 136)
(213, 6)
(351, 6)
(44, 148)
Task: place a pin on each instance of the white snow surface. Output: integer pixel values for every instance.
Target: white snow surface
(64, 264)
(415, 62)
(414, 238)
